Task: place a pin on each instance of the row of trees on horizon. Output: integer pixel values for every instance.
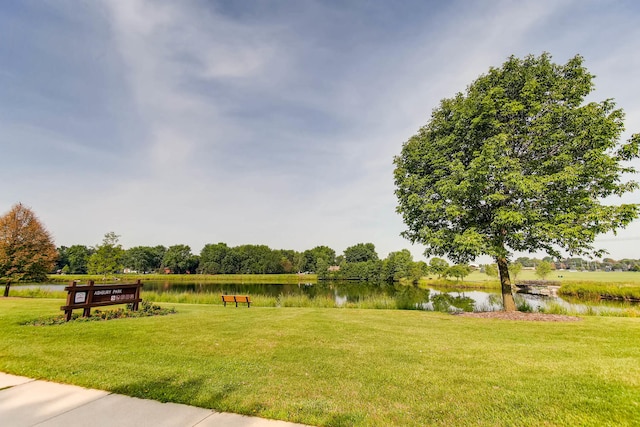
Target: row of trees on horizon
(27, 253)
(360, 261)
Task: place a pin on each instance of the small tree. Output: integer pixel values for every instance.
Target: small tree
(519, 162)
(107, 258)
(491, 270)
(543, 269)
(515, 269)
(439, 266)
(459, 271)
(27, 252)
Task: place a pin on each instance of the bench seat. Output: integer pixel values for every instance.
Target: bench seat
(236, 298)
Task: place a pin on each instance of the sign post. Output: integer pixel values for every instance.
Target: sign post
(91, 295)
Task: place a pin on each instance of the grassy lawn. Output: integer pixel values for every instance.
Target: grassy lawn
(342, 367)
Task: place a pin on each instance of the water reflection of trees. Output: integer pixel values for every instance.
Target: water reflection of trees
(408, 297)
(411, 297)
(446, 303)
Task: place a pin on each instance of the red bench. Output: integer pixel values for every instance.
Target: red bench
(236, 298)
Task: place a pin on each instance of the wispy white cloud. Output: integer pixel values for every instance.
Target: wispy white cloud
(277, 122)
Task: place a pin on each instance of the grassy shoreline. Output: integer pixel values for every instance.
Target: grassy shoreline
(275, 279)
(589, 291)
(594, 290)
(343, 367)
(475, 279)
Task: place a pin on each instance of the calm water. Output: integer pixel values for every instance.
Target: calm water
(409, 297)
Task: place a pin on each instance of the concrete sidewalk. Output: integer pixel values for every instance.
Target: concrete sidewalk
(27, 402)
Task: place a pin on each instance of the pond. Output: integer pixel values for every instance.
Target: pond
(406, 297)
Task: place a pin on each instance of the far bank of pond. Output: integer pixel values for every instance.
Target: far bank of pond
(356, 294)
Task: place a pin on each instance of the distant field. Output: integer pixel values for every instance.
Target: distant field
(630, 277)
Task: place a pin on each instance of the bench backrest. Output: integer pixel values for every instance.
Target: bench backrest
(236, 298)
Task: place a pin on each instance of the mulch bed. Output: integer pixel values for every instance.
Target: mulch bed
(518, 315)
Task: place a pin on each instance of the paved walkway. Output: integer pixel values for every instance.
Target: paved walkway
(27, 402)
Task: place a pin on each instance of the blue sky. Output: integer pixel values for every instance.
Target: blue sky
(260, 122)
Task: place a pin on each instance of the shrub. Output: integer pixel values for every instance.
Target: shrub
(146, 309)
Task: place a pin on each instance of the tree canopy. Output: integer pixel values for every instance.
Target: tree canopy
(27, 252)
(543, 269)
(107, 257)
(361, 252)
(519, 162)
(179, 259)
(438, 266)
(144, 259)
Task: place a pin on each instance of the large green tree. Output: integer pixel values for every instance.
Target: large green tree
(312, 256)
(27, 252)
(73, 260)
(361, 252)
(212, 257)
(179, 259)
(519, 162)
(144, 259)
(397, 265)
(107, 258)
(78, 258)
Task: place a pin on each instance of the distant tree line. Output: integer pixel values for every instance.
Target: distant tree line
(27, 253)
(606, 264)
(358, 262)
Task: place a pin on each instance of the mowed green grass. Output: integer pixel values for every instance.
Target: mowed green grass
(338, 367)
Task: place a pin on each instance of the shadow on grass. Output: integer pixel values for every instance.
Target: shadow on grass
(194, 391)
(202, 393)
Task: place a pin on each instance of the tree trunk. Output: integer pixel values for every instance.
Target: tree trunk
(6, 288)
(505, 283)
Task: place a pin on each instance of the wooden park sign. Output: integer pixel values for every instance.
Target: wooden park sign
(92, 295)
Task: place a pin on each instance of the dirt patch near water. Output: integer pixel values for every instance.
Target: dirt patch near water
(517, 315)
